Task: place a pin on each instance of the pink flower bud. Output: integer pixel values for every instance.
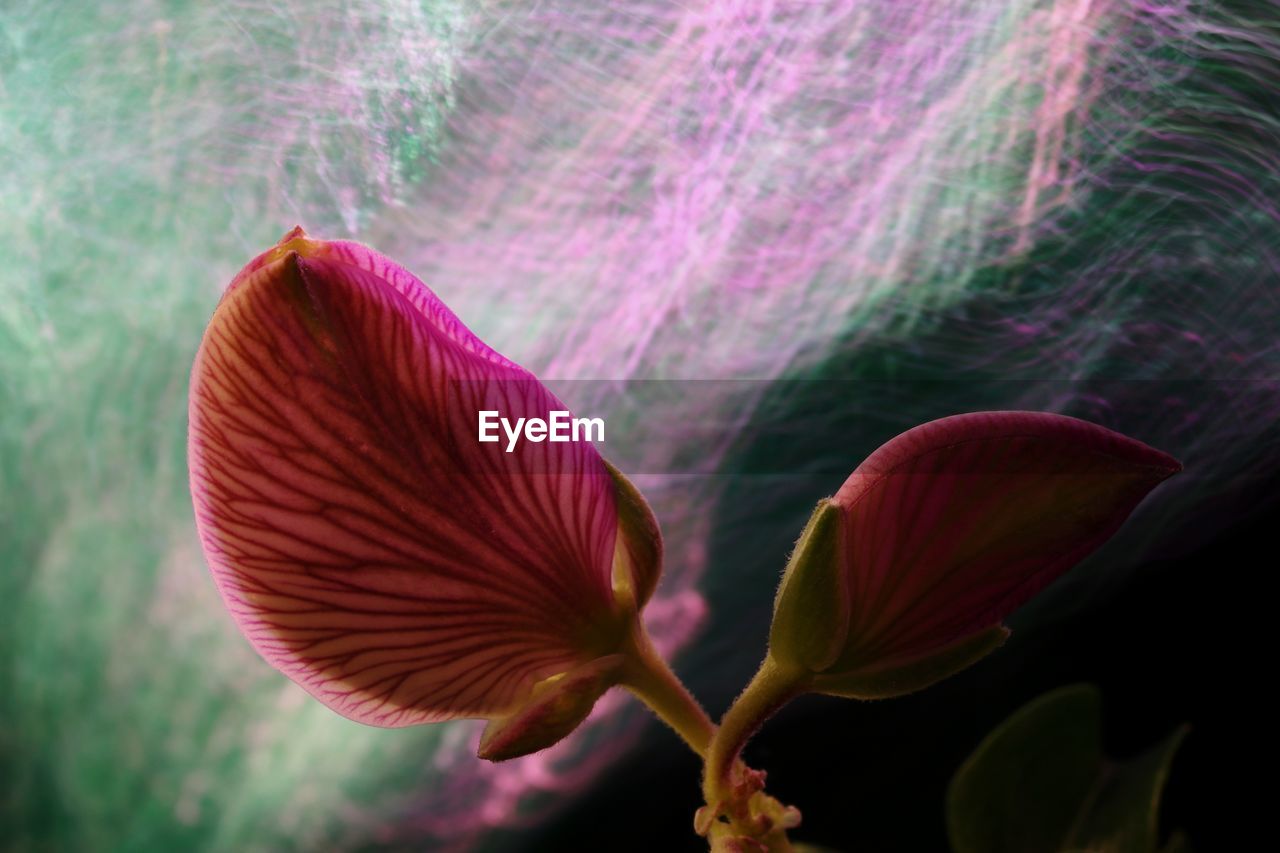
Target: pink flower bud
(905, 575)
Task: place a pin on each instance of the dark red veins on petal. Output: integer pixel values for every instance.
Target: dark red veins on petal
(954, 524)
(367, 544)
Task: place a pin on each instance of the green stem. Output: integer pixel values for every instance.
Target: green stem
(772, 687)
(648, 676)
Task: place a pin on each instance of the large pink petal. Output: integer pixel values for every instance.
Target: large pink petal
(953, 524)
(367, 544)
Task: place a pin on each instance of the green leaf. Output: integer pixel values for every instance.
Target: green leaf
(1040, 783)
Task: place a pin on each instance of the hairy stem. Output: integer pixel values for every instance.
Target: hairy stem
(771, 688)
(650, 678)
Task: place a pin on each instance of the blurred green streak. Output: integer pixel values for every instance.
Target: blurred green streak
(147, 150)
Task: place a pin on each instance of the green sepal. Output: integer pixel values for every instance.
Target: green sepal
(1040, 783)
(637, 557)
(556, 707)
(811, 612)
(908, 677)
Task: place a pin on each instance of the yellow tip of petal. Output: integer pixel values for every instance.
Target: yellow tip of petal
(296, 241)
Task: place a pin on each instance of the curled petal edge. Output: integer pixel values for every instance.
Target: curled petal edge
(556, 707)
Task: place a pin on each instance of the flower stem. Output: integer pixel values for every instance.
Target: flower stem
(649, 677)
(772, 687)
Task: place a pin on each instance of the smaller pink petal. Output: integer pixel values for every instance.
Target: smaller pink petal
(952, 525)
